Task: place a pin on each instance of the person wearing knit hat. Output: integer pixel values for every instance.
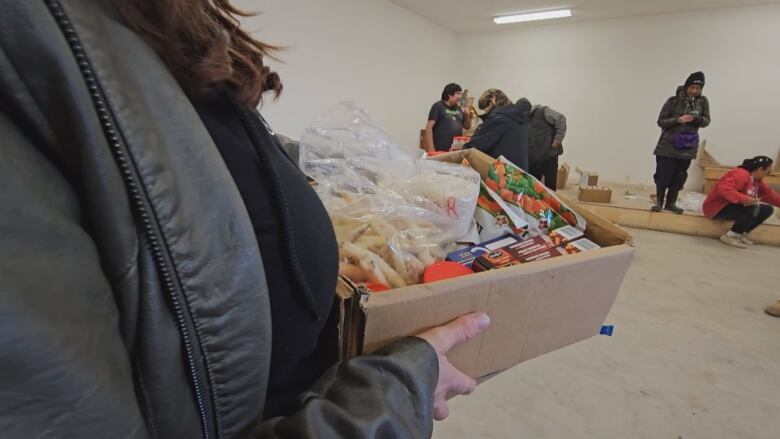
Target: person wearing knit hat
(695, 78)
(680, 119)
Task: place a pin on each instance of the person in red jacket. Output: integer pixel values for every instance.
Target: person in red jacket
(740, 196)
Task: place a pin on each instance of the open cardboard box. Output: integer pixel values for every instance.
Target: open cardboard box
(563, 176)
(595, 194)
(535, 308)
(587, 178)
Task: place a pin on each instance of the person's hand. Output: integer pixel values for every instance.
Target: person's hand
(556, 144)
(443, 338)
(685, 119)
(753, 202)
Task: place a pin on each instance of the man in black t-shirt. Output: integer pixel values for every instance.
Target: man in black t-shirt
(446, 120)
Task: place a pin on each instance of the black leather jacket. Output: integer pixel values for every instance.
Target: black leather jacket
(132, 298)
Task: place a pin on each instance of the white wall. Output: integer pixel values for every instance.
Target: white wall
(611, 77)
(390, 61)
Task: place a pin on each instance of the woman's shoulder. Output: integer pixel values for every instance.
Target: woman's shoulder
(738, 173)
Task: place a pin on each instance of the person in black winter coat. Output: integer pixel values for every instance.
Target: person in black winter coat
(503, 131)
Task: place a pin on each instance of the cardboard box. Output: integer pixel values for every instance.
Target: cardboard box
(466, 256)
(595, 194)
(535, 308)
(563, 176)
(587, 178)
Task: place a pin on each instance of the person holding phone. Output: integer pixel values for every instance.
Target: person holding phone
(680, 119)
(742, 196)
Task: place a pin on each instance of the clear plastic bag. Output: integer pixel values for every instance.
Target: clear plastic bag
(691, 201)
(393, 211)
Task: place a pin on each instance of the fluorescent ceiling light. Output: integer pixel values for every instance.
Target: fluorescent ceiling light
(533, 16)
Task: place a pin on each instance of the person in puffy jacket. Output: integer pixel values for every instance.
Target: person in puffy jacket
(504, 129)
(166, 271)
(740, 196)
(680, 119)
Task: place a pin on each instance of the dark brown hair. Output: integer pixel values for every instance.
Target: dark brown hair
(203, 45)
(757, 162)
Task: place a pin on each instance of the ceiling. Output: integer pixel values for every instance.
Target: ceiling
(464, 16)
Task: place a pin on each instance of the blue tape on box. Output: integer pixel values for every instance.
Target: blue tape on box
(607, 330)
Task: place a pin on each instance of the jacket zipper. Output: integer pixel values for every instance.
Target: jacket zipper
(130, 177)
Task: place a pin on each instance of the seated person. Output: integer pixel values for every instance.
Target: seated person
(738, 196)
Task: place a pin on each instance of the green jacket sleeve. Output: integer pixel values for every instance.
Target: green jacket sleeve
(667, 119)
(704, 119)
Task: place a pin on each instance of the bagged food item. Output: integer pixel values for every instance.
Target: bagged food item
(392, 249)
(393, 211)
(495, 218)
(538, 206)
(691, 201)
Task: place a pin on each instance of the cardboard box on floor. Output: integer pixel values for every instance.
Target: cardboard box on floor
(563, 176)
(587, 178)
(595, 194)
(535, 308)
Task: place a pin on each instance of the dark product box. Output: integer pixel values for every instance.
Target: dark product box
(543, 254)
(467, 256)
(500, 258)
(517, 253)
(531, 246)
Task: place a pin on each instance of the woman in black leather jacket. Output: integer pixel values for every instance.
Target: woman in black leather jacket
(150, 243)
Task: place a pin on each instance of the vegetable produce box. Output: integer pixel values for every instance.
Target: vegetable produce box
(535, 307)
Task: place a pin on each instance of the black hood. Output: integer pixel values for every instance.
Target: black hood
(511, 111)
(524, 105)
